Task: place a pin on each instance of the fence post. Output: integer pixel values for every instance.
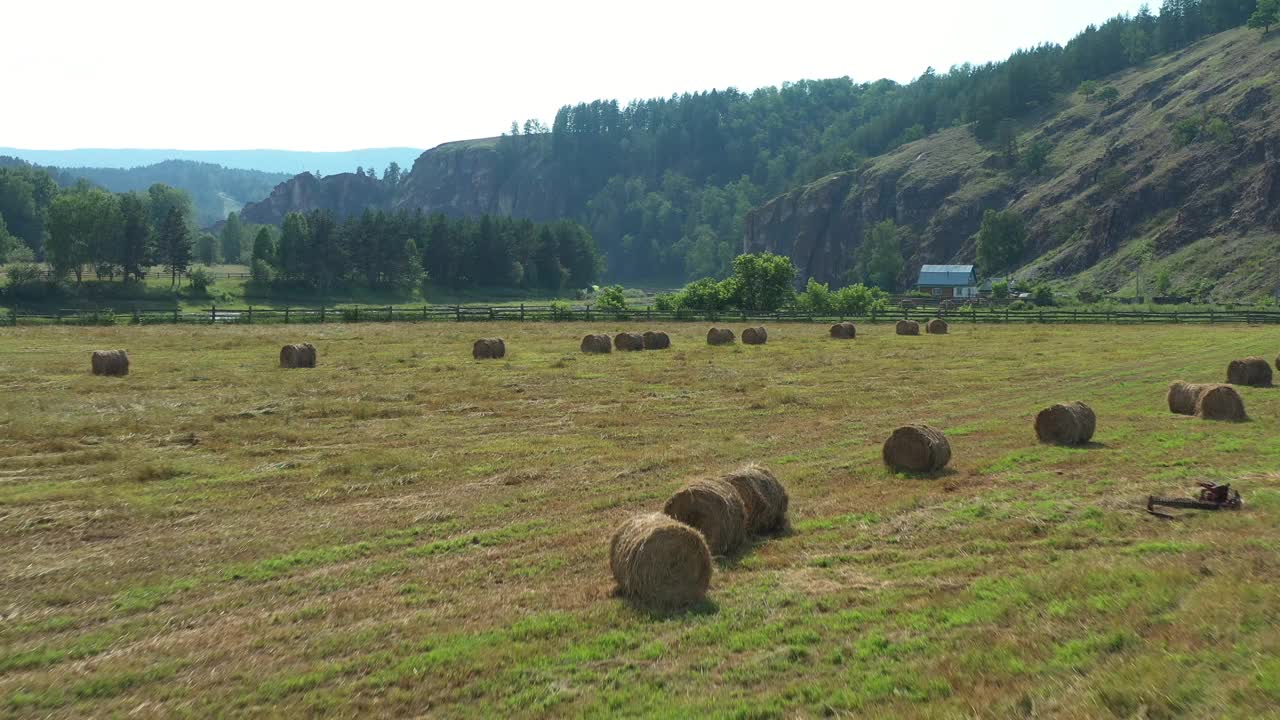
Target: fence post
(491, 316)
(213, 314)
(13, 315)
(286, 314)
(175, 316)
(588, 312)
(424, 312)
(521, 312)
(322, 314)
(1210, 316)
(648, 312)
(250, 314)
(356, 314)
(390, 315)
(457, 312)
(137, 320)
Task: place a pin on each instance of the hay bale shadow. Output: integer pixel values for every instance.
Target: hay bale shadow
(929, 475)
(733, 560)
(704, 607)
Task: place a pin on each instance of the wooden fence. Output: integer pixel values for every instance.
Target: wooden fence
(585, 313)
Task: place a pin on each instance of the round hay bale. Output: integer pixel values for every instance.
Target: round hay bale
(764, 498)
(597, 344)
(1220, 402)
(628, 342)
(660, 561)
(110, 362)
(298, 355)
(488, 349)
(917, 448)
(719, 336)
(1254, 372)
(908, 327)
(844, 331)
(1066, 424)
(713, 508)
(755, 336)
(1183, 397)
(936, 326)
(656, 340)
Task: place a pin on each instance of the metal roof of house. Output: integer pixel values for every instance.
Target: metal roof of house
(947, 275)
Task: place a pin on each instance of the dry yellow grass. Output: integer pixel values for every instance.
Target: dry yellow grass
(405, 532)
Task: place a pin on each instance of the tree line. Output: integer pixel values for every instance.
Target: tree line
(664, 184)
(401, 250)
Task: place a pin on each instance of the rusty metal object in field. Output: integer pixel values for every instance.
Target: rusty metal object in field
(1211, 497)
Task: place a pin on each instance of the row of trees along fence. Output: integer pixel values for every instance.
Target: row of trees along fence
(586, 313)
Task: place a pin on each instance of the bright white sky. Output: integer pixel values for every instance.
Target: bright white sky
(321, 75)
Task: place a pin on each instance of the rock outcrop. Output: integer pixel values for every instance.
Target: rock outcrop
(1120, 184)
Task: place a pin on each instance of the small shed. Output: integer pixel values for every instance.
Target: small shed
(948, 281)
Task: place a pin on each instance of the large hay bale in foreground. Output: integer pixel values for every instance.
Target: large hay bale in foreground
(1066, 424)
(110, 362)
(660, 561)
(1254, 372)
(936, 326)
(755, 336)
(719, 336)
(298, 355)
(764, 498)
(1183, 397)
(908, 327)
(844, 331)
(917, 448)
(628, 342)
(488, 349)
(713, 508)
(656, 340)
(597, 344)
(1220, 402)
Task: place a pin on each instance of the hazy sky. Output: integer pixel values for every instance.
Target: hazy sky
(319, 75)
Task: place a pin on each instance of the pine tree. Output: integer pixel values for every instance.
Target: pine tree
(174, 248)
(232, 239)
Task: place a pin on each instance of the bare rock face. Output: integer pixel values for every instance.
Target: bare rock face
(471, 178)
(938, 188)
(345, 194)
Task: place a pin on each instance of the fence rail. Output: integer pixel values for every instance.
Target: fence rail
(539, 313)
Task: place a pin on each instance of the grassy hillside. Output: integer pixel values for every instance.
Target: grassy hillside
(404, 531)
(1179, 173)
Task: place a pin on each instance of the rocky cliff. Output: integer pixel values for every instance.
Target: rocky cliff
(345, 194)
(1180, 172)
(467, 178)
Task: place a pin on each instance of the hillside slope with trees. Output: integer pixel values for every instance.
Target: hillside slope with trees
(665, 186)
(1171, 170)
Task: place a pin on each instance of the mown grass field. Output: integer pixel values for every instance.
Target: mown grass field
(406, 532)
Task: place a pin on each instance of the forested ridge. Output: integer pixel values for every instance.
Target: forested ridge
(85, 228)
(664, 184)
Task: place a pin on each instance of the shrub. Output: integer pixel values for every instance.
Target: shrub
(260, 270)
(200, 279)
(1088, 296)
(1186, 131)
(1042, 296)
(1219, 130)
(1018, 305)
(859, 300)
(707, 295)
(20, 274)
(612, 299)
(560, 310)
(815, 299)
(1000, 289)
(1108, 94)
(667, 302)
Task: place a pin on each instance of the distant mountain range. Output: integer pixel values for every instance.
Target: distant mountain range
(270, 161)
